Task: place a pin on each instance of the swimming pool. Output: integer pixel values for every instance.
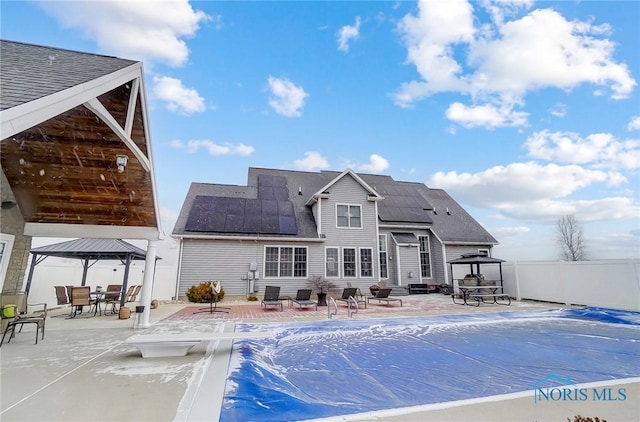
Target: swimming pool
(330, 368)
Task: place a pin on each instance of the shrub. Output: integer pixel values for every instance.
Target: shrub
(202, 293)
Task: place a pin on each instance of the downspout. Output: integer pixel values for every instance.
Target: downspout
(398, 267)
(180, 250)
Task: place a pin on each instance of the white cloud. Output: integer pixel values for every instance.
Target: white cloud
(548, 210)
(148, 31)
(485, 116)
(312, 161)
(509, 231)
(601, 150)
(507, 58)
(286, 98)
(377, 164)
(516, 182)
(531, 192)
(212, 148)
(348, 33)
(177, 96)
(634, 124)
(558, 110)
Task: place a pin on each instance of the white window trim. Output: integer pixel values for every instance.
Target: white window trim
(293, 256)
(8, 240)
(338, 263)
(420, 257)
(342, 261)
(359, 258)
(349, 219)
(386, 244)
(486, 251)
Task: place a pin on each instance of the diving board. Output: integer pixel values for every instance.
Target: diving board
(179, 344)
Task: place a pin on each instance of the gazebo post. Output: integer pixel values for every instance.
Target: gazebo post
(125, 280)
(34, 258)
(85, 268)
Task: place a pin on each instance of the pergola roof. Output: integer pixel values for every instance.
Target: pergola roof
(66, 118)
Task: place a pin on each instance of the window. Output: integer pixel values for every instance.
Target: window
(349, 262)
(332, 262)
(349, 216)
(384, 269)
(425, 257)
(285, 262)
(366, 262)
(483, 252)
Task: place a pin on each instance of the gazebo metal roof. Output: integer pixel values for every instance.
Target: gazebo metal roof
(90, 250)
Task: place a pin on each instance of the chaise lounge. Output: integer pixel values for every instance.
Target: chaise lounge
(383, 296)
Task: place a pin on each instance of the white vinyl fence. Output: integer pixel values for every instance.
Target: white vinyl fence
(68, 272)
(606, 283)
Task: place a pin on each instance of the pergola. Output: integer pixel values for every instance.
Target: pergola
(88, 250)
(76, 148)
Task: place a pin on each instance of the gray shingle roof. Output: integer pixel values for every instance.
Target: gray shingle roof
(405, 202)
(25, 71)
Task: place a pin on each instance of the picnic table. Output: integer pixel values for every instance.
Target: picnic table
(479, 293)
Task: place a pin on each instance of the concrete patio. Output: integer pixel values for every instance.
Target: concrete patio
(82, 370)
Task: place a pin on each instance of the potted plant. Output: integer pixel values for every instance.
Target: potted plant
(374, 289)
(322, 286)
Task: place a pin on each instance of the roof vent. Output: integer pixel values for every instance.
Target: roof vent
(448, 213)
(300, 190)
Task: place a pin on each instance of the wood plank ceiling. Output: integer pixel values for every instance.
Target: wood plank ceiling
(66, 118)
(64, 169)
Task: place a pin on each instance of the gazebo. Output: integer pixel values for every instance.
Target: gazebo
(88, 250)
(475, 259)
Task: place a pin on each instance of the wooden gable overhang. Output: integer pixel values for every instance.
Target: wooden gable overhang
(79, 161)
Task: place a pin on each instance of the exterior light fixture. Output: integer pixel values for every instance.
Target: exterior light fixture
(121, 162)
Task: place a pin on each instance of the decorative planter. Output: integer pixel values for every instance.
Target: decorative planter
(374, 290)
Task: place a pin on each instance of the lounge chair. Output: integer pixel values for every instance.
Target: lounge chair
(351, 292)
(383, 296)
(17, 311)
(303, 299)
(271, 297)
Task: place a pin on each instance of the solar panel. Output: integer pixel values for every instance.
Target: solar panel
(287, 225)
(266, 192)
(234, 223)
(281, 193)
(236, 206)
(285, 208)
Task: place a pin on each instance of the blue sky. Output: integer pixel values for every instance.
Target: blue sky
(522, 111)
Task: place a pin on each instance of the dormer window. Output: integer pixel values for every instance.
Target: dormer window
(349, 216)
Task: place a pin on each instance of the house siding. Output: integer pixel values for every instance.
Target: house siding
(349, 192)
(229, 261)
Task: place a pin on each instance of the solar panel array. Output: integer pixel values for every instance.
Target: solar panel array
(270, 213)
(402, 203)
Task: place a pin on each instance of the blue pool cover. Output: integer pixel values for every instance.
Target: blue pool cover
(330, 368)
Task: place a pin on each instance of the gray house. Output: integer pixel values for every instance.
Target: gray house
(286, 226)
